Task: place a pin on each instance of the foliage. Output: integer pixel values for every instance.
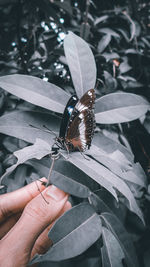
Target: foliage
(107, 181)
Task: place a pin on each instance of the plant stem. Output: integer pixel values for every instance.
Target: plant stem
(87, 10)
(19, 15)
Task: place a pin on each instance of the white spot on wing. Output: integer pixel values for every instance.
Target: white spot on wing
(82, 131)
(80, 107)
(90, 93)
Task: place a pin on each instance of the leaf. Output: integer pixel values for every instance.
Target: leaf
(120, 107)
(103, 43)
(38, 151)
(109, 146)
(109, 56)
(147, 123)
(116, 227)
(69, 185)
(124, 67)
(11, 143)
(18, 123)
(98, 203)
(17, 180)
(85, 30)
(121, 166)
(91, 168)
(146, 41)
(125, 35)
(132, 51)
(35, 91)
(81, 63)
(48, 10)
(112, 253)
(39, 167)
(65, 5)
(72, 234)
(79, 183)
(126, 78)
(100, 19)
(107, 179)
(120, 158)
(110, 32)
(132, 25)
(110, 82)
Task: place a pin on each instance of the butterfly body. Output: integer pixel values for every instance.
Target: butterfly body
(78, 123)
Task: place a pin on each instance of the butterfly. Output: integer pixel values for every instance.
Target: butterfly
(78, 123)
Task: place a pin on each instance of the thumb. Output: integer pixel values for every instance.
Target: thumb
(36, 216)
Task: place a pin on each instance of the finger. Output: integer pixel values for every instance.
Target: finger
(15, 201)
(36, 216)
(6, 226)
(43, 243)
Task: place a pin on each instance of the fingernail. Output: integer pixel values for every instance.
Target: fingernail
(55, 193)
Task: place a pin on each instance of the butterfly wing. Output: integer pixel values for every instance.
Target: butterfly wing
(82, 123)
(66, 116)
(87, 101)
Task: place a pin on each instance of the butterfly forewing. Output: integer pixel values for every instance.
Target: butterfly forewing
(87, 101)
(82, 123)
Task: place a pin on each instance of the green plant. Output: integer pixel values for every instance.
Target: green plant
(109, 171)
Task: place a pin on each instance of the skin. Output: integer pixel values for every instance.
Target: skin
(25, 220)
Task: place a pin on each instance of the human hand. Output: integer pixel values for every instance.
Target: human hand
(25, 220)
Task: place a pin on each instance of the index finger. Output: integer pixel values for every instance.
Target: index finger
(13, 202)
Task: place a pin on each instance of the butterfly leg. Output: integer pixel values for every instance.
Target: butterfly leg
(83, 154)
(67, 150)
(40, 191)
(43, 183)
(54, 156)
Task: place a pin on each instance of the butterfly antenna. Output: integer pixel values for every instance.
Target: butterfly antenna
(44, 126)
(83, 154)
(49, 130)
(54, 156)
(67, 150)
(40, 190)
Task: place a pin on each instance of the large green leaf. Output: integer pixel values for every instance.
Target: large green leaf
(109, 146)
(119, 165)
(62, 177)
(72, 234)
(120, 107)
(38, 151)
(112, 253)
(69, 185)
(107, 179)
(91, 167)
(81, 63)
(18, 123)
(116, 227)
(68, 169)
(35, 91)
